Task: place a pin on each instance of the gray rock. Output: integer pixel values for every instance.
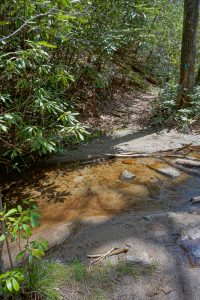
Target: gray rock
(171, 172)
(195, 209)
(191, 244)
(192, 234)
(127, 176)
(142, 259)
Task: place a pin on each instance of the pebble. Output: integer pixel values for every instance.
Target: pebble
(127, 176)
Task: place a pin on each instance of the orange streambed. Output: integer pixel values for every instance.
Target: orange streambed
(69, 193)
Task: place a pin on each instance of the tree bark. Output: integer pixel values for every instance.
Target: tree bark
(1, 243)
(188, 51)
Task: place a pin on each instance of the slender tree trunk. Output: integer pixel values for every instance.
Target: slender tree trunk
(188, 52)
(1, 243)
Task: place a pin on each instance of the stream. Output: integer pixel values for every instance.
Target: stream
(88, 208)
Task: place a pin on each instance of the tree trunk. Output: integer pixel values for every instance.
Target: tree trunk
(188, 52)
(1, 243)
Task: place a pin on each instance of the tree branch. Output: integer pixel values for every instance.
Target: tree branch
(23, 25)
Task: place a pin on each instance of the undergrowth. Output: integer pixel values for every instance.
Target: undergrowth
(165, 112)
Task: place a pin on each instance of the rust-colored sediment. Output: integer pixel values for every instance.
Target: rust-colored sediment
(64, 195)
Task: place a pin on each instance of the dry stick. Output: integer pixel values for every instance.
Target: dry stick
(186, 170)
(188, 163)
(184, 147)
(129, 155)
(150, 155)
(3, 229)
(195, 199)
(103, 256)
(109, 252)
(115, 251)
(157, 170)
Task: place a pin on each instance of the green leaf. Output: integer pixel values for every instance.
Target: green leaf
(27, 229)
(35, 217)
(3, 128)
(37, 253)
(30, 259)
(20, 255)
(45, 44)
(44, 244)
(19, 208)
(2, 237)
(23, 236)
(15, 284)
(11, 212)
(9, 285)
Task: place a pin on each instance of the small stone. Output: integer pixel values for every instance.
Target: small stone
(171, 172)
(127, 176)
(195, 209)
(166, 290)
(78, 179)
(141, 259)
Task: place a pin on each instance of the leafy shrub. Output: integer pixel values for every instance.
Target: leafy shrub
(16, 225)
(165, 111)
(48, 49)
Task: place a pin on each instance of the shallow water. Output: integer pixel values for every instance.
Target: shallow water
(74, 192)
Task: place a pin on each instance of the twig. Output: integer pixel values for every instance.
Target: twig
(101, 257)
(23, 25)
(183, 147)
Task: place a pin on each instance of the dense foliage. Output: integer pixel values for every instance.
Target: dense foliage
(49, 50)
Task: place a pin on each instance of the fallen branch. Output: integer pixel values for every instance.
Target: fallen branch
(195, 199)
(154, 154)
(129, 155)
(181, 168)
(184, 147)
(188, 163)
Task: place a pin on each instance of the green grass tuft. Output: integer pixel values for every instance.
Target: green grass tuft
(95, 282)
(47, 278)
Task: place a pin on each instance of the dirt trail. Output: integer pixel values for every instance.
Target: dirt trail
(124, 120)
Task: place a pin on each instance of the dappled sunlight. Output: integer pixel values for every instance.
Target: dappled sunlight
(72, 193)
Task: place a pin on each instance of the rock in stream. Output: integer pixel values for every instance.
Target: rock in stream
(126, 176)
